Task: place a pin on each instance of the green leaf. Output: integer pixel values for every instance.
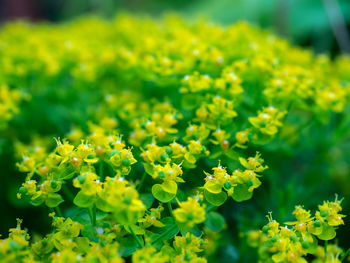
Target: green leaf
(168, 220)
(103, 205)
(148, 168)
(63, 172)
(168, 250)
(190, 158)
(53, 200)
(213, 187)
(128, 245)
(313, 245)
(169, 186)
(161, 195)
(82, 200)
(241, 193)
(233, 155)
(83, 245)
(147, 199)
(214, 221)
(215, 154)
(194, 231)
(37, 200)
(328, 232)
(81, 215)
(215, 199)
(168, 232)
(138, 230)
(191, 101)
(90, 232)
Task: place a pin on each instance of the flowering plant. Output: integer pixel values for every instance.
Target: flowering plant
(165, 127)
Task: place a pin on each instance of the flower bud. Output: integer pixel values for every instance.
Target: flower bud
(126, 162)
(81, 179)
(169, 151)
(317, 223)
(228, 185)
(323, 213)
(249, 183)
(161, 174)
(265, 229)
(54, 184)
(22, 190)
(305, 244)
(164, 157)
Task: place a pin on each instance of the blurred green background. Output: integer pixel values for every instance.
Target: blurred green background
(303, 22)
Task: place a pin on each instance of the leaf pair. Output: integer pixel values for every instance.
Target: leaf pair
(165, 192)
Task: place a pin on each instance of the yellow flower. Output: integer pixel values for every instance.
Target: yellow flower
(253, 163)
(220, 136)
(268, 120)
(152, 218)
(330, 211)
(64, 149)
(168, 172)
(9, 100)
(242, 138)
(189, 257)
(229, 81)
(66, 229)
(188, 243)
(196, 83)
(75, 135)
(190, 213)
(121, 198)
(122, 161)
(148, 255)
(89, 183)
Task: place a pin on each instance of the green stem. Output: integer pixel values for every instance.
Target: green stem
(325, 250)
(92, 214)
(345, 255)
(170, 209)
(100, 172)
(136, 237)
(58, 211)
(141, 182)
(67, 192)
(164, 234)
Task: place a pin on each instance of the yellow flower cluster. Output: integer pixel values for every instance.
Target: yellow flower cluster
(216, 64)
(185, 249)
(190, 213)
(185, 97)
(9, 100)
(13, 248)
(67, 161)
(239, 185)
(278, 243)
